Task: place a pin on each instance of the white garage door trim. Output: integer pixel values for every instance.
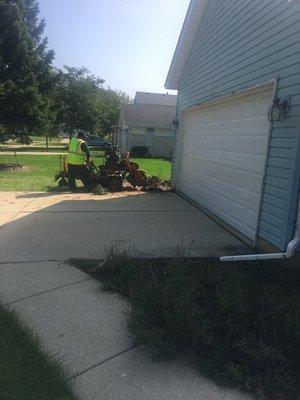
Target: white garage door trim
(206, 166)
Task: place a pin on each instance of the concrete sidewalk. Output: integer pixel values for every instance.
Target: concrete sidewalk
(86, 328)
(76, 320)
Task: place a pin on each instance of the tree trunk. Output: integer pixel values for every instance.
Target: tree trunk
(47, 143)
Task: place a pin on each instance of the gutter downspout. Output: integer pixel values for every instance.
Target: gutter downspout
(291, 249)
(294, 245)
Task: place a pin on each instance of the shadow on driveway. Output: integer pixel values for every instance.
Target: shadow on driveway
(57, 227)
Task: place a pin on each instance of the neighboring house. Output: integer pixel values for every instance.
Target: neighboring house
(148, 122)
(233, 61)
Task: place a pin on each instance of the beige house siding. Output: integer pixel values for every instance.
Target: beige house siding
(148, 122)
(163, 140)
(164, 146)
(136, 139)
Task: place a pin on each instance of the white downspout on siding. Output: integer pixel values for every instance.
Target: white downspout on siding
(291, 249)
(294, 245)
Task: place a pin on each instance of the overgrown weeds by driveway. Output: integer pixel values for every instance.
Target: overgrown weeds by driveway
(238, 324)
(26, 371)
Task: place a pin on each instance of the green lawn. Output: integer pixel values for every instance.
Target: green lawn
(41, 140)
(37, 141)
(35, 148)
(37, 144)
(155, 167)
(39, 171)
(26, 371)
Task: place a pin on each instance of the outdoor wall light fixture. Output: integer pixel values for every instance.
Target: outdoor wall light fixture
(175, 124)
(279, 109)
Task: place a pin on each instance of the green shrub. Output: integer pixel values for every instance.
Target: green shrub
(139, 151)
(239, 324)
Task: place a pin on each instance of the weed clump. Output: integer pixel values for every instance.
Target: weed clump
(238, 323)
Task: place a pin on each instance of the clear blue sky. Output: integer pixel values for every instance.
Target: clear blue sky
(129, 43)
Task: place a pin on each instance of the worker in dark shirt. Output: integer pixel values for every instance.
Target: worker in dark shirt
(78, 159)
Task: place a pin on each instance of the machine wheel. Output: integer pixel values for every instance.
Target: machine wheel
(63, 183)
(131, 179)
(115, 184)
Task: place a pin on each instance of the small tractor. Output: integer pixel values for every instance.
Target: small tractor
(111, 174)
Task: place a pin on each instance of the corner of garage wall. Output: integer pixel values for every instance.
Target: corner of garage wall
(282, 181)
(174, 172)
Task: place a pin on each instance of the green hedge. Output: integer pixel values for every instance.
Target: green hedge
(139, 151)
(238, 324)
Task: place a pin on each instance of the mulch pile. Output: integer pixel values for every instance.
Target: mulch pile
(155, 184)
(10, 166)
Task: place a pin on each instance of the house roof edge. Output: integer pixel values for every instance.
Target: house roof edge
(188, 33)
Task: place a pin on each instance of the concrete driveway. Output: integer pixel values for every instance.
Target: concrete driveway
(83, 326)
(45, 226)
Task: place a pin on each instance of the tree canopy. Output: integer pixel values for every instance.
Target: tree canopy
(35, 97)
(83, 103)
(26, 76)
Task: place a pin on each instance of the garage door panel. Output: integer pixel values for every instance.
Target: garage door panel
(229, 212)
(223, 158)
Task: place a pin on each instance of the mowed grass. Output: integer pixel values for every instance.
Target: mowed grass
(41, 141)
(37, 141)
(39, 171)
(38, 149)
(37, 174)
(26, 371)
(155, 167)
(37, 144)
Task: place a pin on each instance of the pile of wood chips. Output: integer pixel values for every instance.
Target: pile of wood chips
(10, 166)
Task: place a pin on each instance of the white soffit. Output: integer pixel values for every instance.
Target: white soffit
(189, 30)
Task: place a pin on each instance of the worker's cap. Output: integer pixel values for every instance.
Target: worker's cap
(81, 135)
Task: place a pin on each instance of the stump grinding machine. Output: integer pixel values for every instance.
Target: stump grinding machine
(111, 175)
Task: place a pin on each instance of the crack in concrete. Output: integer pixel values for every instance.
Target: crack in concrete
(30, 261)
(47, 291)
(104, 211)
(104, 362)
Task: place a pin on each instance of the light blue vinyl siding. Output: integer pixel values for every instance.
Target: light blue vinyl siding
(240, 44)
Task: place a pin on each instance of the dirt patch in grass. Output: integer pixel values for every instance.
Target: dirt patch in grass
(239, 324)
(10, 167)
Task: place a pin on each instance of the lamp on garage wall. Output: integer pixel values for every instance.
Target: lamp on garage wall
(175, 125)
(279, 109)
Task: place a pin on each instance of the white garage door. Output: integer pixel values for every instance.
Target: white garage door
(224, 147)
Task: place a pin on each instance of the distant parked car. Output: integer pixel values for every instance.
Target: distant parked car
(97, 141)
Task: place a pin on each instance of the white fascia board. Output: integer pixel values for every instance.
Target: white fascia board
(187, 36)
(148, 125)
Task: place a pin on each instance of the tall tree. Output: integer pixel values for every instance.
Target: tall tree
(110, 104)
(76, 99)
(26, 77)
(83, 103)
